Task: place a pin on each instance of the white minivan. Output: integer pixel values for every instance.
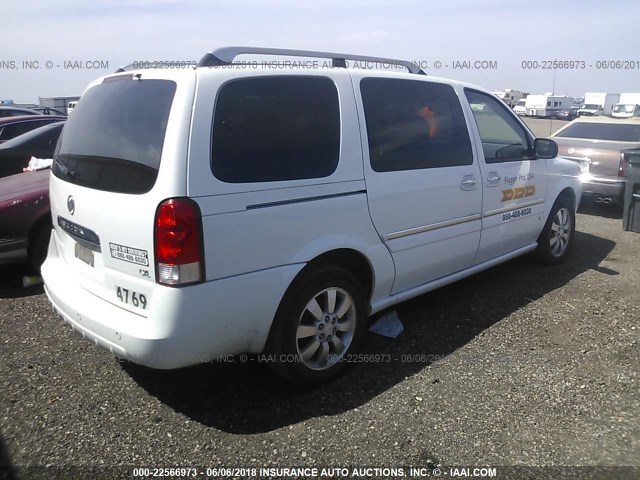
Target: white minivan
(240, 208)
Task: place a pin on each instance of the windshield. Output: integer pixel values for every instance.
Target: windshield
(114, 139)
(620, 132)
(591, 106)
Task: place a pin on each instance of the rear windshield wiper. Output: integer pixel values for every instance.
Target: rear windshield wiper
(64, 169)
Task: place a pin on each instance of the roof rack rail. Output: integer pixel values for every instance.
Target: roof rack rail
(226, 56)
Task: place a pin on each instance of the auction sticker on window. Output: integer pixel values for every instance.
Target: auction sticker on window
(129, 254)
(521, 212)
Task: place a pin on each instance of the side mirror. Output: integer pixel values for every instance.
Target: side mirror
(545, 148)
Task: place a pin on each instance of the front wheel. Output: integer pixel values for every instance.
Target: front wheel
(321, 320)
(554, 243)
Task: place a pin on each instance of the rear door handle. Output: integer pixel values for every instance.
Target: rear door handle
(468, 182)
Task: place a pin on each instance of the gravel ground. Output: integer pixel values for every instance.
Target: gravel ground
(519, 365)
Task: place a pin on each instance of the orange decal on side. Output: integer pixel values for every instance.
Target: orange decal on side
(519, 192)
(507, 195)
(529, 190)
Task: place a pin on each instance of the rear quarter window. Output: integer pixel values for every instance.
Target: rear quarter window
(276, 128)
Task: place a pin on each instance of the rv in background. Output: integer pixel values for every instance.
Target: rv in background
(509, 96)
(598, 103)
(628, 106)
(547, 105)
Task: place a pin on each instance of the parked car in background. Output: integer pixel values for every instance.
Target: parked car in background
(25, 217)
(6, 111)
(40, 143)
(621, 110)
(597, 145)
(71, 106)
(13, 126)
(520, 108)
(590, 110)
(567, 114)
(49, 111)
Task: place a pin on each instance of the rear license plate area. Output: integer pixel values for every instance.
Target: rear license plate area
(84, 254)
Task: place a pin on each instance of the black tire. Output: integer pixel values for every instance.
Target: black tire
(289, 355)
(38, 246)
(556, 238)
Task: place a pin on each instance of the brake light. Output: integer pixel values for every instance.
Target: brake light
(178, 242)
(622, 168)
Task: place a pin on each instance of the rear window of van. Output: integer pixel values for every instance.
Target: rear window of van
(114, 139)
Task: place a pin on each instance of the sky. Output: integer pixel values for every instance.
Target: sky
(112, 33)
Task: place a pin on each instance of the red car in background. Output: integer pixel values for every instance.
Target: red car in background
(11, 127)
(25, 217)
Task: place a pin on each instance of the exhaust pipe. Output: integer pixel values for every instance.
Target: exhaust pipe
(598, 199)
(607, 200)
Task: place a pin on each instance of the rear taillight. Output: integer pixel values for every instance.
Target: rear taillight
(622, 168)
(178, 242)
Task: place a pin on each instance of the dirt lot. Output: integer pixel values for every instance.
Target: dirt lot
(519, 365)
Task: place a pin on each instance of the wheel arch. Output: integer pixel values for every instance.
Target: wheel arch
(348, 258)
(570, 194)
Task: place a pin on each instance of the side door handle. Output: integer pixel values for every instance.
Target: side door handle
(468, 182)
(493, 179)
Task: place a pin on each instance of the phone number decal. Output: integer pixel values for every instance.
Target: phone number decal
(522, 212)
(129, 254)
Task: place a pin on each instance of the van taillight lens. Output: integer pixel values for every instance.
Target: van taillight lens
(178, 242)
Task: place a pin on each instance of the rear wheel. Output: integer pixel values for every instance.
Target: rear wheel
(321, 320)
(38, 246)
(554, 243)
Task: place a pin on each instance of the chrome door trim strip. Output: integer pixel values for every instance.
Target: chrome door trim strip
(433, 226)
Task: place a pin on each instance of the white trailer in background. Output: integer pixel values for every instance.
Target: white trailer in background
(509, 96)
(598, 103)
(628, 106)
(547, 105)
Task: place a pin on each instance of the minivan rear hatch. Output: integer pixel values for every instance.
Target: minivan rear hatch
(115, 162)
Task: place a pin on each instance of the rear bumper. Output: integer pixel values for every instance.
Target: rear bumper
(185, 326)
(613, 189)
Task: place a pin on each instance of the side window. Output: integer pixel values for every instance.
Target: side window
(414, 125)
(503, 138)
(276, 128)
(13, 130)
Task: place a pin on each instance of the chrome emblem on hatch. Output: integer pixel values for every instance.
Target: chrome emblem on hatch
(71, 204)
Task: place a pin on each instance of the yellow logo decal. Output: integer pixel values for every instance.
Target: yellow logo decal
(518, 192)
(507, 195)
